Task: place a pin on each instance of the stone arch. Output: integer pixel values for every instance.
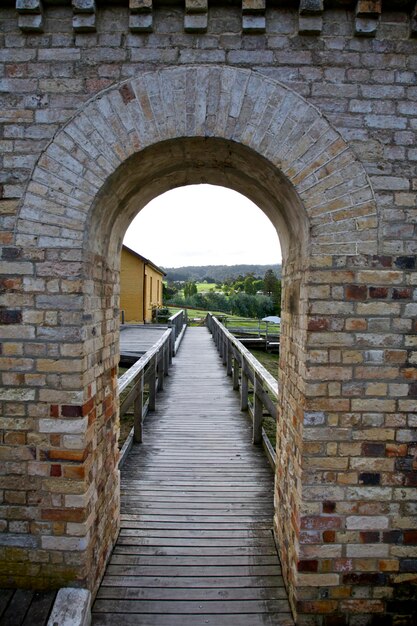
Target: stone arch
(233, 104)
(166, 128)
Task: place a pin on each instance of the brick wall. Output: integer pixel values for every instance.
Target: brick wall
(338, 181)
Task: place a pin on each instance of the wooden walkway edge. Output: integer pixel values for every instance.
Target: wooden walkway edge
(196, 544)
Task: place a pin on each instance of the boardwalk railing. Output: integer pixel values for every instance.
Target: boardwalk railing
(178, 323)
(147, 378)
(258, 388)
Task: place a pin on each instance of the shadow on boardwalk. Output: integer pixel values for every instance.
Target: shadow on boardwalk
(196, 544)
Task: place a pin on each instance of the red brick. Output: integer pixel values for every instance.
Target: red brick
(369, 536)
(410, 537)
(318, 323)
(64, 515)
(396, 449)
(378, 292)
(54, 410)
(66, 455)
(317, 606)
(402, 294)
(56, 470)
(307, 565)
(87, 407)
(373, 449)
(69, 410)
(8, 316)
(356, 292)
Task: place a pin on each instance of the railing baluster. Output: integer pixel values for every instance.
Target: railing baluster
(138, 410)
(229, 357)
(235, 373)
(152, 382)
(257, 412)
(244, 391)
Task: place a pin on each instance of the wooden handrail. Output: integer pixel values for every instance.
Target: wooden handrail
(244, 369)
(177, 322)
(151, 368)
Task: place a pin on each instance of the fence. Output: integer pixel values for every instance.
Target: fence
(258, 388)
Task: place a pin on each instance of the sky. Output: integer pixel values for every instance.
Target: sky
(192, 226)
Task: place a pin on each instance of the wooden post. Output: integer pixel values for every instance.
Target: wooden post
(257, 413)
(235, 374)
(244, 391)
(160, 368)
(138, 411)
(224, 350)
(167, 359)
(229, 358)
(152, 382)
(171, 344)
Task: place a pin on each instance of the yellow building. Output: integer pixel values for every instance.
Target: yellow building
(140, 287)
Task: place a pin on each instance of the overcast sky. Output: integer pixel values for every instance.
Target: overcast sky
(193, 226)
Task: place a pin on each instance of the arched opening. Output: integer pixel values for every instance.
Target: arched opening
(180, 162)
(128, 145)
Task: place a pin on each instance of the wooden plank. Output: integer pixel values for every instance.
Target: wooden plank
(224, 560)
(200, 607)
(267, 548)
(39, 608)
(194, 582)
(187, 593)
(5, 597)
(17, 608)
(260, 619)
(220, 570)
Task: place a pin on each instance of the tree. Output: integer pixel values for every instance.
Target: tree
(276, 297)
(190, 289)
(249, 281)
(270, 281)
(168, 291)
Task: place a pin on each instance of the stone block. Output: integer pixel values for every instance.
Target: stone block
(76, 544)
(310, 24)
(83, 6)
(31, 23)
(84, 22)
(311, 7)
(366, 26)
(140, 6)
(253, 23)
(29, 6)
(196, 6)
(253, 6)
(195, 23)
(141, 23)
(365, 522)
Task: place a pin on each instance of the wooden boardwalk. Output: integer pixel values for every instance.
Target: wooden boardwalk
(136, 339)
(196, 545)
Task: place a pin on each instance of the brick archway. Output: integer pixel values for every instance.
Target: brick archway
(167, 128)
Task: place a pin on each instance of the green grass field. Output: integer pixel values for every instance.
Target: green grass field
(201, 287)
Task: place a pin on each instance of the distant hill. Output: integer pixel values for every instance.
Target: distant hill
(219, 273)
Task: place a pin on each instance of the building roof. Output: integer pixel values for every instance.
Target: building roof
(145, 260)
